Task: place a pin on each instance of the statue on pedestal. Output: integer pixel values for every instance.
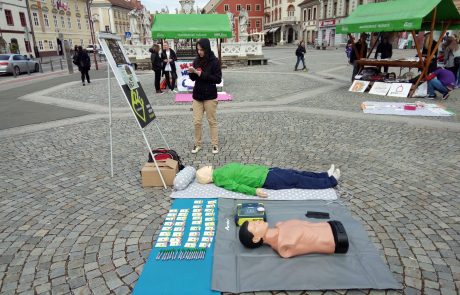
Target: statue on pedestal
(133, 14)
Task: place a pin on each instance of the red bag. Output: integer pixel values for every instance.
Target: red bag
(162, 154)
(430, 77)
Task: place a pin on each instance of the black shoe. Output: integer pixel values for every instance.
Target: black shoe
(445, 96)
(83, 83)
(89, 82)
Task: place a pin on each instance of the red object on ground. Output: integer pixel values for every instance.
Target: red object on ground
(409, 107)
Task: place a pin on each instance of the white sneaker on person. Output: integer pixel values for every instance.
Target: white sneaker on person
(196, 149)
(215, 149)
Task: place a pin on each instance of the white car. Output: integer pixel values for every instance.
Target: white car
(91, 48)
(16, 63)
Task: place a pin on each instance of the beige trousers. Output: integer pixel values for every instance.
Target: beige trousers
(210, 107)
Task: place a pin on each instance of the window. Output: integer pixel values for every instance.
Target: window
(304, 15)
(79, 23)
(51, 45)
(257, 7)
(76, 5)
(87, 24)
(55, 21)
(45, 18)
(291, 10)
(238, 7)
(27, 43)
(9, 17)
(314, 13)
(18, 57)
(257, 23)
(22, 16)
(69, 22)
(226, 8)
(35, 16)
(107, 29)
(309, 14)
(40, 45)
(248, 7)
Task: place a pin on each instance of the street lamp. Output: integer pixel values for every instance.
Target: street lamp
(91, 27)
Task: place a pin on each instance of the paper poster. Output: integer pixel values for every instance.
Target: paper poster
(399, 89)
(127, 79)
(359, 86)
(380, 88)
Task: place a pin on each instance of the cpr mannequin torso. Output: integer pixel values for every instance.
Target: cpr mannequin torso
(296, 237)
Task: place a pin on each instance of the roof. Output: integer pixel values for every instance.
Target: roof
(400, 15)
(186, 26)
(128, 4)
(308, 2)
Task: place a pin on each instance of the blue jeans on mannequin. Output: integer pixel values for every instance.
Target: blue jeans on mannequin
(300, 59)
(279, 178)
(435, 84)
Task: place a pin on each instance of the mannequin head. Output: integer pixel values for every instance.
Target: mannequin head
(204, 175)
(252, 232)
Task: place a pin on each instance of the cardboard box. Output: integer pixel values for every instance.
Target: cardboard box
(150, 176)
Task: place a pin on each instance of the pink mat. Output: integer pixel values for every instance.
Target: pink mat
(187, 97)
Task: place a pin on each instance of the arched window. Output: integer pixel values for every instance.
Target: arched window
(291, 10)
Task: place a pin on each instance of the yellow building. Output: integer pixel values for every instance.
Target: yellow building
(50, 18)
(112, 15)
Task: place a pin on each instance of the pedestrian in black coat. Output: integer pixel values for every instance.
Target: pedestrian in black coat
(206, 72)
(300, 51)
(83, 62)
(386, 51)
(157, 65)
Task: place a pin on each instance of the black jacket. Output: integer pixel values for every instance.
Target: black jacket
(386, 50)
(173, 56)
(157, 63)
(82, 60)
(211, 74)
(300, 51)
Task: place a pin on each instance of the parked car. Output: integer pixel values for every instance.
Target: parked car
(16, 63)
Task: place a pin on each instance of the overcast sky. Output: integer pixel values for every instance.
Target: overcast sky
(153, 5)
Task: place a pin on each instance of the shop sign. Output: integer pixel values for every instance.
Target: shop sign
(327, 23)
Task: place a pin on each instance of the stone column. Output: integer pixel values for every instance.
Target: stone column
(282, 35)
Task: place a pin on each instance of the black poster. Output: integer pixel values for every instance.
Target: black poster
(140, 105)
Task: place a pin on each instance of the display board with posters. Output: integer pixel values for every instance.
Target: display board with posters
(127, 79)
(399, 89)
(380, 88)
(359, 86)
(184, 83)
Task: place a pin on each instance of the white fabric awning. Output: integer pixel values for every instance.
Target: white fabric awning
(274, 30)
(266, 31)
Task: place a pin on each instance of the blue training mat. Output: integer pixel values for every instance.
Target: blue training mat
(171, 277)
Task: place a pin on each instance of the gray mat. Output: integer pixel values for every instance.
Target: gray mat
(237, 269)
(196, 190)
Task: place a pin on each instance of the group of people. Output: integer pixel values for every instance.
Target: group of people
(206, 72)
(164, 64)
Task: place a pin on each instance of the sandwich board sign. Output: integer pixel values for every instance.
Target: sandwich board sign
(127, 79)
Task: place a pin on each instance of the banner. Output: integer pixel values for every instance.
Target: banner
(380, 88)
(127, 79)
(359, 86)
(399, 89)
(184, 84)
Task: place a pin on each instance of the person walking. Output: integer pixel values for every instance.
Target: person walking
(157, 65)
(300, 51)
(206, 72)
(169, 66)
(83, 62)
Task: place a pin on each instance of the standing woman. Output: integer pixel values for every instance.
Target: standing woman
(206, 73)
(450, 53)
(300, 51)
(169, 66)
(84, 64)
(157, 65)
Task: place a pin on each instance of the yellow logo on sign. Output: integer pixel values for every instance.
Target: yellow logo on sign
(138, 105)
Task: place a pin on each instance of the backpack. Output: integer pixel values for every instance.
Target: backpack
(162, 154)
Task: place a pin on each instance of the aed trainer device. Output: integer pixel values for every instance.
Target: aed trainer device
(249, 212)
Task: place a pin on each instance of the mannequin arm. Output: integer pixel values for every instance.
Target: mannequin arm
(231, 185)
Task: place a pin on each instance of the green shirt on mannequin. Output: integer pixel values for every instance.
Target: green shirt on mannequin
(240, 178)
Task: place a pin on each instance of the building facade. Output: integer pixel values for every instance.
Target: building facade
(52, 19)
(254, 9)
(331, 13)
(283, 21)
(309, 15)
(15, 29)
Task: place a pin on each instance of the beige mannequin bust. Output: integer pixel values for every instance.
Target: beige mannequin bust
(292, 237)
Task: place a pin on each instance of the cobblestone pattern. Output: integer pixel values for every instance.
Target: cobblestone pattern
(65, 225)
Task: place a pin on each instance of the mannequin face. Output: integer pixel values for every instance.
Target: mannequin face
(258, 228)
(204, 175)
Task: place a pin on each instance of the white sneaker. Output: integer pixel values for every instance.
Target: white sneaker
(196, 149)
(175, 91)
(215, 149)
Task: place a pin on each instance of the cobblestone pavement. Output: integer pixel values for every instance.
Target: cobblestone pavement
(67, 227)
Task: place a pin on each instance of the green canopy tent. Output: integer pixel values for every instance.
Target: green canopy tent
(191, 26)
(404, 15)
